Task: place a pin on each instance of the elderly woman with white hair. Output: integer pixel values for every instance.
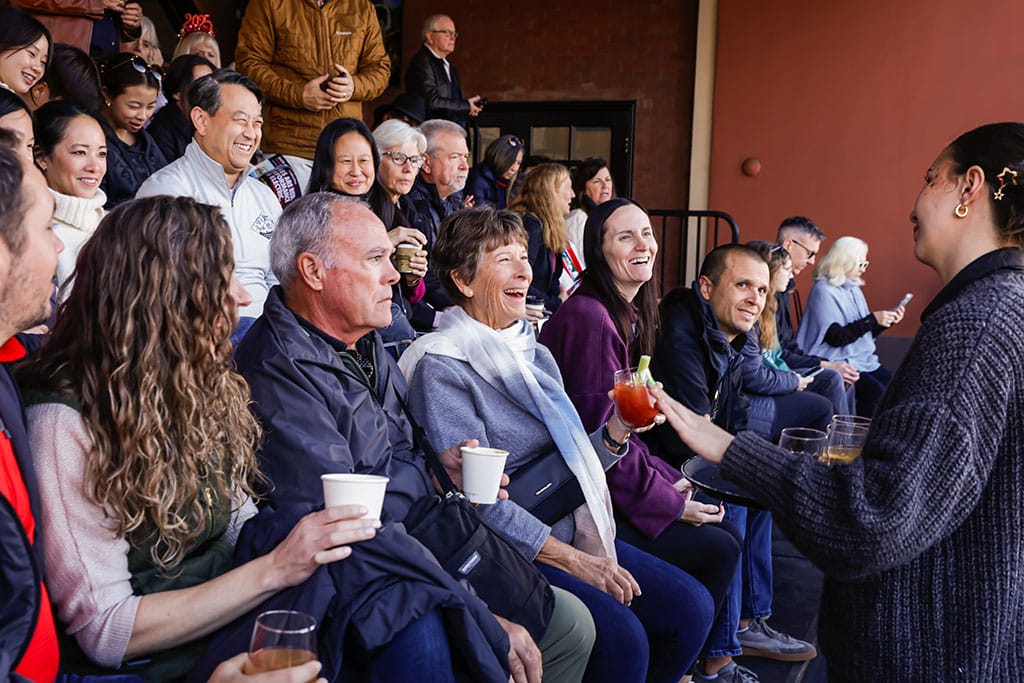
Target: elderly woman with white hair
(838, 325)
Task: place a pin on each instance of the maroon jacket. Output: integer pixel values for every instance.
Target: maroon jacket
(588, 350)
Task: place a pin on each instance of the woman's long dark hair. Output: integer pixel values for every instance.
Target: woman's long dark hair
(598, 279)
(323, 167)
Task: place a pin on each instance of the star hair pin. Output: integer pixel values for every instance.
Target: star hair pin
(1002, 181)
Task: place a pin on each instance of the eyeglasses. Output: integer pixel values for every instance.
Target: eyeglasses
(399, 159)
(140, 65)
(810, 254)
(447, 31)
(864, 264)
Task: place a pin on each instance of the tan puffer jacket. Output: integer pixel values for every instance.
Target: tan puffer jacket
(283, 44)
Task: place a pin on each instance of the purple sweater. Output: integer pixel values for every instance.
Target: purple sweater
(588, 350)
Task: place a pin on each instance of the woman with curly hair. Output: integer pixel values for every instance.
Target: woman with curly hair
(543, 202)
(144, 449)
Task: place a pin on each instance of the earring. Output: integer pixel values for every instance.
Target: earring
(469, 293)
(960, 211)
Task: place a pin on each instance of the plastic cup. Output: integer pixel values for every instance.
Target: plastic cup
(481, 473)
(804, 441)
(404, 252)
(281, 639)
(535, 303)
(355, 489)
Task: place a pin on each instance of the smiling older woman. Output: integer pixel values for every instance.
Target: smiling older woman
(483, 371)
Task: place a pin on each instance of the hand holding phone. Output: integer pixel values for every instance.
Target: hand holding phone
(811, 372)
(905, 300)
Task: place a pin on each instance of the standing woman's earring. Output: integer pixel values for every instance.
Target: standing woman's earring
(960, 211)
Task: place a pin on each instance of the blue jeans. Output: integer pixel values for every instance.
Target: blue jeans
(750, 594)
(418, 653)
(240, 329)
(658, 637)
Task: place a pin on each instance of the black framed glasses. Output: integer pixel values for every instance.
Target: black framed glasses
(140, 65)
(810, 253)
(399, 159)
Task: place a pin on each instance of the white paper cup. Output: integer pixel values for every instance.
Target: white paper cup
(481, 473)
(355, 489)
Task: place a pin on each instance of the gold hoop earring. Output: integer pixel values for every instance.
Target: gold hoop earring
(960, 211)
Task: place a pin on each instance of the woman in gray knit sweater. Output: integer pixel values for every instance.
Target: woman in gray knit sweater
(922, 539)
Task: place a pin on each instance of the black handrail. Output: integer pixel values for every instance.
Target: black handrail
(683, 239)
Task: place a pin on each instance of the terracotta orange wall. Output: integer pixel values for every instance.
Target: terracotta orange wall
(847, 104)
(585, 50)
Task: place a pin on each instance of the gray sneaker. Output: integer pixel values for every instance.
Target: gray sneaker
(761, 640)
(730, 673)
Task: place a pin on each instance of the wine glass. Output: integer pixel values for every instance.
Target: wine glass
(855, 420)
(803, 441)
(282, 639)
(845, 442)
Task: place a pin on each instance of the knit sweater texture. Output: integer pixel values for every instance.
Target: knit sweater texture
(922, 539)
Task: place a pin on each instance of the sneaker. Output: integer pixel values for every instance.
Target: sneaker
(761, 640)
(730, 673)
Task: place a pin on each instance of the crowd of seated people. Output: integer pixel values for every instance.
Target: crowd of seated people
(214, 346)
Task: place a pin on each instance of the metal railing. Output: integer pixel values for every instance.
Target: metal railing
(684, 237)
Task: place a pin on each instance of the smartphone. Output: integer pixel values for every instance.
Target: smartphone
(811, 372)
(905, 300)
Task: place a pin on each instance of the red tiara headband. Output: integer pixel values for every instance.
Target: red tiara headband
(196, 23)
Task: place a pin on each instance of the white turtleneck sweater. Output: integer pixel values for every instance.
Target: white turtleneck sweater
(74, 221)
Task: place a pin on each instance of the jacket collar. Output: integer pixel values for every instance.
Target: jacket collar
(1008, 258)
(211, 171)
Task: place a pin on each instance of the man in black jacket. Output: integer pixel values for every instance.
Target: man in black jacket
(332, 400)
(432, 76)
(28, 262)
(802, 239)
(697, 358)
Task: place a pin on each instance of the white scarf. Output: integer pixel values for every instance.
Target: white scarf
(505, 361)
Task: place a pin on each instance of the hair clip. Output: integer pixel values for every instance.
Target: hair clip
(196, 23)
(1002, 181)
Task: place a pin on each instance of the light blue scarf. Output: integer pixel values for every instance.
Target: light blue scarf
(504, 359)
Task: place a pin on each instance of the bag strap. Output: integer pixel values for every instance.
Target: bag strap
(419, 438)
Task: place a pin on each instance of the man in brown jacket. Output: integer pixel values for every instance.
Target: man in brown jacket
(316, 61)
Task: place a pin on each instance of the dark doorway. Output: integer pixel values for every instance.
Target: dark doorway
(566, 132)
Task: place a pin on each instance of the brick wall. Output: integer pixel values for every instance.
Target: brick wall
(551, 50)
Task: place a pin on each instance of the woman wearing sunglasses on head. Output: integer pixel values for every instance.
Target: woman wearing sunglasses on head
(130, 90)
(490, 180)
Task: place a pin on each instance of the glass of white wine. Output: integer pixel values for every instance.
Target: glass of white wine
(282, 639)
(845, 442)
(803, 441)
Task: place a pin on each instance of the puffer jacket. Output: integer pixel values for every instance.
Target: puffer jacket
(21, 562)
(283, 44)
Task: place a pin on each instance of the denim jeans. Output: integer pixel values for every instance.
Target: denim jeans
(241, 328)
(750, 594)
(657, 638)
(418, 653)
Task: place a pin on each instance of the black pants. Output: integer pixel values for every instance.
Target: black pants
(870, 388)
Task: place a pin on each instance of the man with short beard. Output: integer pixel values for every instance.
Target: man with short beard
(437, 194)
(28, 263)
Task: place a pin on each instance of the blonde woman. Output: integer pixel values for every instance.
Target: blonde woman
(199, 43)
(543, 201)
(839, 326)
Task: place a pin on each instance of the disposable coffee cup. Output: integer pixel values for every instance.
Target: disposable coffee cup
(355, 489)
(481, 473)
(535, 303)
(403, 253)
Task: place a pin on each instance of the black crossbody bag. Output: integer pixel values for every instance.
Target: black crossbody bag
(469, 549)
(547, 488)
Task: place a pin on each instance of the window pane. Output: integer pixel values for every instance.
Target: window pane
(591, 142)
(488, 134)
(550, 141)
